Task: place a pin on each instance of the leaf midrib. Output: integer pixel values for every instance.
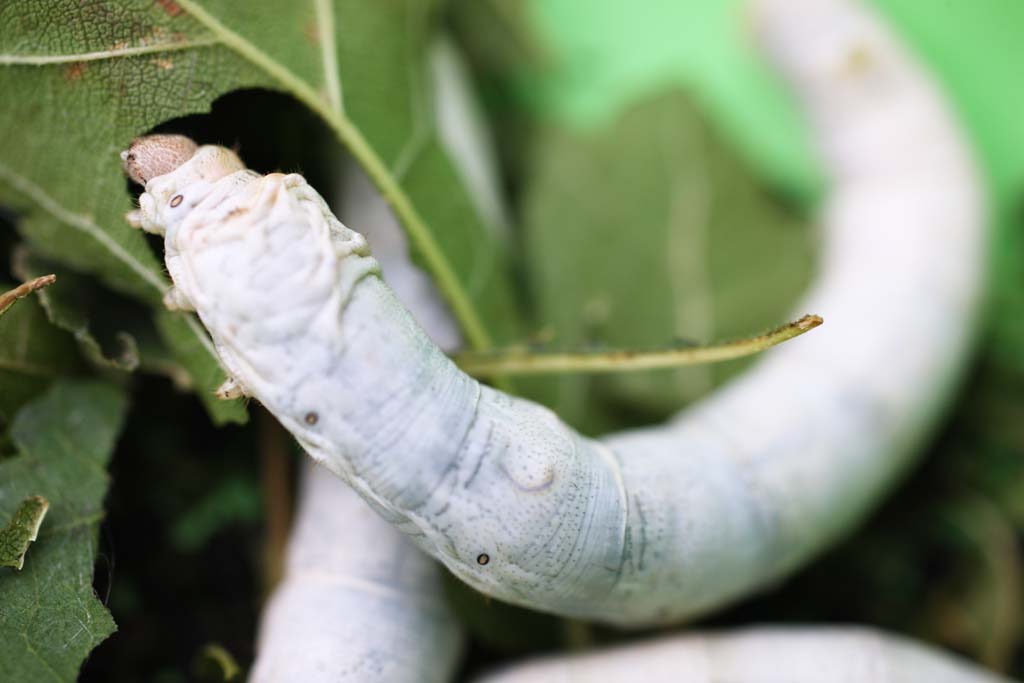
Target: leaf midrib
(82, 224)
(328, 50)
(92, 230)
(45, 60)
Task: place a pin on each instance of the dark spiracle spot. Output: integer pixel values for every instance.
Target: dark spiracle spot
(311, 419)
(177, 200)
(482, 559)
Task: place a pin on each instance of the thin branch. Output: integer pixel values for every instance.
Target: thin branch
(525, 362)
(275, 475)
(7, 299)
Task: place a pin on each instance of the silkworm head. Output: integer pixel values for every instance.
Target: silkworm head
(154, 155)
(171, 195)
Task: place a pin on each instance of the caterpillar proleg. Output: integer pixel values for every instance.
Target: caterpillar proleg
(653, 525)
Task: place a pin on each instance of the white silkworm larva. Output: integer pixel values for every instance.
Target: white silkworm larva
(758, 655)
(651, 525)
(358, 602)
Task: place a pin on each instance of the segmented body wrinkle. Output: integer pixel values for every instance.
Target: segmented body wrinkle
(652, 525)
(358, 602)
(819, 654)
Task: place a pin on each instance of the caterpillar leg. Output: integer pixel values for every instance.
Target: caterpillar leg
(137, 219)
(134, 218)
(230, 389)
(175, 300)
(143, 217)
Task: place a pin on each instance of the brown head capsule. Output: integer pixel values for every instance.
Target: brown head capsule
(154, 155)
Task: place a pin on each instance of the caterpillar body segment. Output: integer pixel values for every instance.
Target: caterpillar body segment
(820, 654)
(653, 525)
(357, 603)
(339, 561)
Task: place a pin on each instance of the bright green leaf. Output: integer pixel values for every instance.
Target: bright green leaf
(603, 56)
(650, 231)
(50, 618)
(606, 55)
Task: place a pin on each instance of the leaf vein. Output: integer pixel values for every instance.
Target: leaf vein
(82, 224)
(329, 53)
(43, 60)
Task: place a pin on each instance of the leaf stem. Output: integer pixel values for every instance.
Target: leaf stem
(525, 362)
(447, 282)
(276, 481)
(7, 299)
